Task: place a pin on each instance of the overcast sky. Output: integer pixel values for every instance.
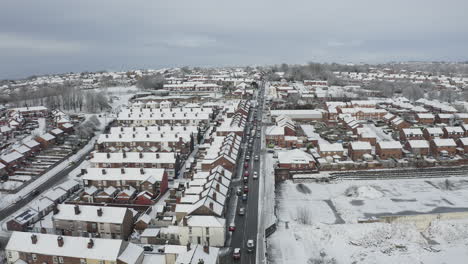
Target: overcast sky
(55, 36)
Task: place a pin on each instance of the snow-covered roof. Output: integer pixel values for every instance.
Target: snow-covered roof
(444, 142)
(417, 144)
(389, 144)
(114, 215)
(361, 145)
(295, 156)
(10, 157)
(206, 221)
(131, 254)
(335, 147)
(75, 247)
(134, 157)
(126, 174)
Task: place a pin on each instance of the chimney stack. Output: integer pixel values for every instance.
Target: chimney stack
(157, 155)
(77, 210)
(188, 247)
(184, 221)
(142, 171)
(99, 212)
(206, 249)
(34, 238)
(104, 171)
(83, 171)
(90, 243)
(122, 170)
(211, 205)
(60, 241)
(56, 210)
(108, 155)
(121, 129)
(214, 196)
(141, 155)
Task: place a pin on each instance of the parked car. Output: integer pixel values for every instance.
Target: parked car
(246, 189)
(232, 228)
(239, 191)
(246, 165)
(246, 174)
(246, 179)
(250, 245)
(256, 157)
(247, 157)
(148, 248)
(236, 254)
(255, 175)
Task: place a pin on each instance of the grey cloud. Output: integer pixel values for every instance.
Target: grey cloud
(56, 35)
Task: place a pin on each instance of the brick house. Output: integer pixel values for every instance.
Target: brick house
(454, 132)
(152, 180)
(418, 147)
(444, 118)
(443, 146)
(425, 118)
(46, 140)
(358, 149)
(389, 149)
(432, 133)
(166, 160)
(335, 149)
(96, 221)
(463, 143)
(293, 162)
(25, 247)
(411, 134)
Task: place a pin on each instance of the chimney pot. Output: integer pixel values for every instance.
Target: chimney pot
(34, 238)
(122, 170)
(60, 241)
(206, 249)
(90, 243)
(99, 212)
(77, 210)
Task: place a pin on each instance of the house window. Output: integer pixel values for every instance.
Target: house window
(55, 259)
(61, 260)
(9, 254)
(82, 261)
(190, 230)
(34, 257)
(207, 231)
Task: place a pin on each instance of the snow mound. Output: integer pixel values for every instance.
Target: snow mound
(365, 192)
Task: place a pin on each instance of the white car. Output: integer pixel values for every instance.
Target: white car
(250, 245)
(256, 157)
(255, 176)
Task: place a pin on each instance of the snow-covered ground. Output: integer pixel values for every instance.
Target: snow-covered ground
(318, 222)
(309, 131)
(381, 136)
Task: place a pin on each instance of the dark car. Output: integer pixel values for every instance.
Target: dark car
(232, 228)
(246, 189)
(148, 248)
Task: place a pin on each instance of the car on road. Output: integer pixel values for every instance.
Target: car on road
(239, 191)
(246, 189)
(246, 174)
(247, 157)
(242, 211)
(236, 254)
(246, 179)
(258, 135)
(244, 197)
(256, 157)
(246, 165)
(250, 245)
(232, 228)
(255, 175)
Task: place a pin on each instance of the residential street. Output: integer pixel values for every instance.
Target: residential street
(247, 225)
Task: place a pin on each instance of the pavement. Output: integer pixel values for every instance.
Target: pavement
(247, 225)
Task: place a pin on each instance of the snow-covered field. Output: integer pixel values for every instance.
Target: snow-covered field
(317, 223)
